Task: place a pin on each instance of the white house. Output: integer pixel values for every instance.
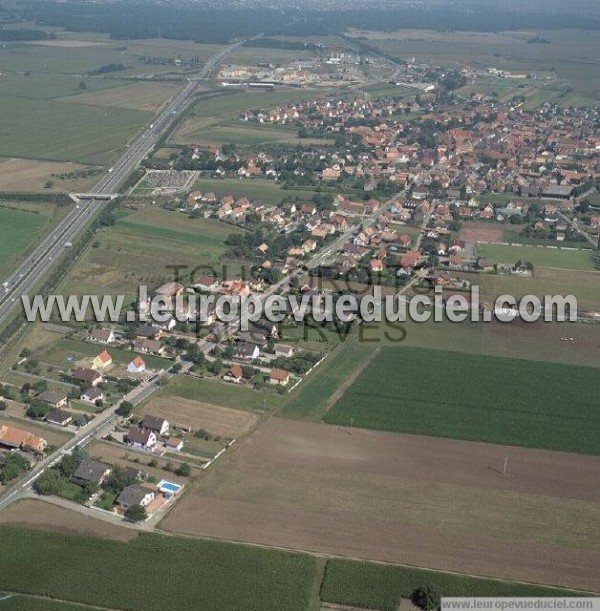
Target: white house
(145, 439)
(138, 365)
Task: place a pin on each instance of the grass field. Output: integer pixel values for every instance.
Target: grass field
(540, 256)
(515, 402)
(140, 246)
(372, 586)
(267, 191)
(77, 350)
(239, 133)
(226, 395)
(191, 574)
(20, 226)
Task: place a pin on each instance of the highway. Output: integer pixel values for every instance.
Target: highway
(39, 263)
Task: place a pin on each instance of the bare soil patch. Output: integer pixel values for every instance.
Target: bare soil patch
(430, 502)
(476, 232)
(31, 175)
(38, 514)
(221, 421)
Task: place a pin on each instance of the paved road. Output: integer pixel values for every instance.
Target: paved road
(40, 262)
(29, 274)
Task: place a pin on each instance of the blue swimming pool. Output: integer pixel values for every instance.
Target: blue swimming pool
(169, 487)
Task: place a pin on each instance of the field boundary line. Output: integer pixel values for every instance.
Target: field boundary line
(59, 600)
(342, 388)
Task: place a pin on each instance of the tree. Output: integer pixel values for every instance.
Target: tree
(427, 598)
(125, 408)
(38, 409)
(13, 466)
(82, 85)
(118, 479)
(183, 470)
(48, 184)
(48, 483)
(2, 406)
(136, 513)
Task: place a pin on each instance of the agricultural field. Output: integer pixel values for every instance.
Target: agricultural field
(29, 175)
(571, 53)
(21, 224)
(149, 97)
(57, 131)
(139, 247)
(383, 587)
(404, 499)
(540, 256)
(267, 191)
(216, 420)
(236, 578)
(50, 110)
(515, 402)
(38, 514)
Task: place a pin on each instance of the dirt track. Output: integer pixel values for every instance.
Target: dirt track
(407, 499)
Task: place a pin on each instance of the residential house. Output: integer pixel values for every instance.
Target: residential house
(60, 417)
(135, 495)
(247, 351)
(148, 346)
(102, 361)
(206, 283)
(142, 439)
(102, 336)
(91, 471)
(279, 377)
(89, 376)
(284, 351)
(13, 438)
(92, 394)
(138, 365)
(234, 374)
(160, 426)
(174, 444)
(55, 399)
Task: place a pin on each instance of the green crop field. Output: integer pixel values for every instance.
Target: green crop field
(139, 248)
(154, 572)
(28, 603)
(540, 256)
(514, 402)
(267, 191)
(19, 228)
(60, 131)
(381, 587)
